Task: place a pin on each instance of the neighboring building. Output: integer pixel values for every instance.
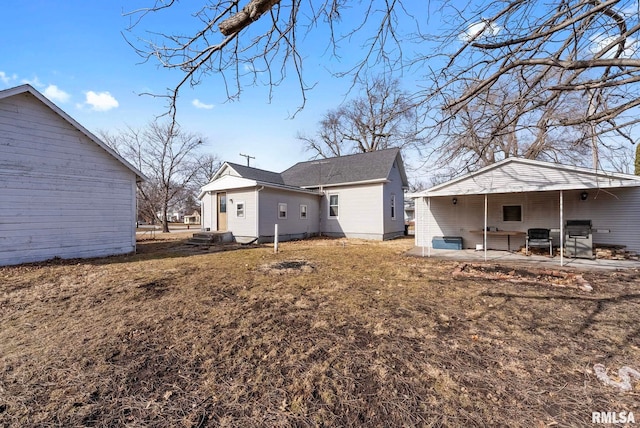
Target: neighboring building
(193, 218)
(514, 195)
(360, 196)
(63, 192)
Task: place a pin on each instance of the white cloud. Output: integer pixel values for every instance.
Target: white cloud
(35, 82)
(199, 104)
(600, 42)
(56, 94)
(101, 101)
(480, 29)
(5, 78)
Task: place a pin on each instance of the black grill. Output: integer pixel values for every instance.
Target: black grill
(579, 239)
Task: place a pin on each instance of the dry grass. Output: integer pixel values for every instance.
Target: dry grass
(325, 333)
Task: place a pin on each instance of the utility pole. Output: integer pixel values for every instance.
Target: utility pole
(248, 157)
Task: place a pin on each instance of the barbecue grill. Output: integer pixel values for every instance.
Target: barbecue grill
(578, 239)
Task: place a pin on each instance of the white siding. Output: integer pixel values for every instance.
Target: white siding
(616, 210)
(522, 177)
(360, 212)
(242, 227)
(61, 195)
(293, 227)
(393, 227)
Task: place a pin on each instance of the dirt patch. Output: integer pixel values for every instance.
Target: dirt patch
(356, 334)
(288, 267)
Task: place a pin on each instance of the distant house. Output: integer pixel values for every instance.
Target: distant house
(496, 205)
(63, 192)
(193, 218)
(359, 196)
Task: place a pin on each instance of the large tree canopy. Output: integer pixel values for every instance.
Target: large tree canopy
(571, 67)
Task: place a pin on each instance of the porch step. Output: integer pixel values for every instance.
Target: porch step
(210, 238)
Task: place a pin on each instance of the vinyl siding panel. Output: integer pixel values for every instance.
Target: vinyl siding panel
(360, 212)
(293, 227)
(518, 177)
(61, 195)
(393, 227)
(242, 227)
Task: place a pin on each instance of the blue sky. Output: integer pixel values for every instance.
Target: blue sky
(73, 52)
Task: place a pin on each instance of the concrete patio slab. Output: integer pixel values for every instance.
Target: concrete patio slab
(497, 256)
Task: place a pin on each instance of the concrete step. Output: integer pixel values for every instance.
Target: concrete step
(210, 238)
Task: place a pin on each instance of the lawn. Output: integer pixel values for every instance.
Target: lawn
(324, 333)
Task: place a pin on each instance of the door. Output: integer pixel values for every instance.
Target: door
(222, 211)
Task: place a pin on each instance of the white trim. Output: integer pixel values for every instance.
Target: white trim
(244, 209)
(513, 205)
(329, 205)
(306, 212)
(280, 210)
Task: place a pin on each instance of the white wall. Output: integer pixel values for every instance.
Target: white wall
(393, 227)
(293, 226)
(61, 195)
(243, 228)
(360, 212)
(616, 210)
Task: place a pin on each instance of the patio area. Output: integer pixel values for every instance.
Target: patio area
(507, 257)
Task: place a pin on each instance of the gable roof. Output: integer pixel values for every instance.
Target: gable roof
(7, 93)
(256, 174)
(513, 175)
(357, 168)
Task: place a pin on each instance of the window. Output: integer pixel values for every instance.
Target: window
(303, 211)
(282, 210)
(223, 202)
(393, 207)
(240, 209)
(512, 213)
(333, 205)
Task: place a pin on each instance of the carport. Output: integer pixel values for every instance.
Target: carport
(492, 208)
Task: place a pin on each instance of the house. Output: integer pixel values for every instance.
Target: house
(63, 192)
(358, 196)
(193, 218)
(496, 205)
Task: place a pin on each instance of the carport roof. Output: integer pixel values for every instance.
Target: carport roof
(515, 175)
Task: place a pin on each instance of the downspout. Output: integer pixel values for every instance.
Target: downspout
(258, 213)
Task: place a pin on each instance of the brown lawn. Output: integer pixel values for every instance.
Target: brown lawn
(325, 333)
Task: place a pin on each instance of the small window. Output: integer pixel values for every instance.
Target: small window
(223, 203)
(393, 207)
(303, 211)
(512, 213)
(282, 210)
(240, 209)
(333, 205)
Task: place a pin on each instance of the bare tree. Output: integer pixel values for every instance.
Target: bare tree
(205, 167)
(384, 116)
(258, 41)
(558, 51)
(166, 155)
(571, 67)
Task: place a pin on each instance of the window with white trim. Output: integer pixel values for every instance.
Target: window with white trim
(282, 210)
(303, 212)
(512, 213)
(333, 205)
(240, 209)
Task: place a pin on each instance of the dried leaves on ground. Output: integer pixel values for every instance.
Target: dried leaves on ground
(324, 333)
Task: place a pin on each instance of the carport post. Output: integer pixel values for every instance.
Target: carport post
(561, 228)
(484, 233)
